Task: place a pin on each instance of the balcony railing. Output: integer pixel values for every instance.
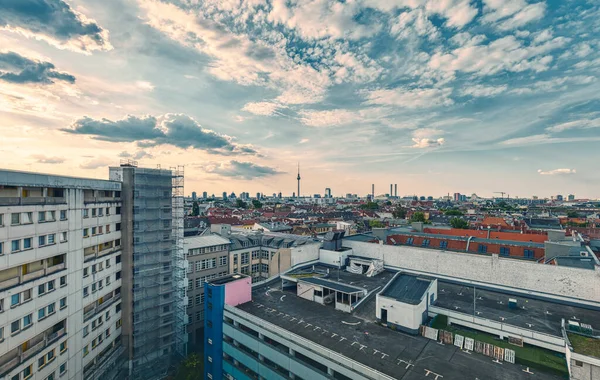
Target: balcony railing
(18, 356)
(98, 308)
(15, 201)
(11, 282)
(33, 275)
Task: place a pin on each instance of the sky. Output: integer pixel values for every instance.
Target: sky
(437, 96)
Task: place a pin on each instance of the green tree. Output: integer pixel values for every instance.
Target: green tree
(256, 204)
(376, 224)
(191, 368)
(388, 203)
(195, 209)
(240, 204)
(418, 217)
(459, 223)
(399, 212)
(572, 214)
(370, 206)
(454, 212)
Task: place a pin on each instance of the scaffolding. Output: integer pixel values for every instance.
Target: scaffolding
(179, 262)
(157, 302)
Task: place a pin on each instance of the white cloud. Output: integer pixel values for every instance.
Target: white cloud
(552, 85)
(457, 13)
(328, 118)
(530, 13)
(427, 143)
(303, 141)
(410, 98)
(557, 172)
(479, 90)
(143, 85)
(576, 124)
(261, 108)
(512, 14)
(427, 138)
(96, 163)
(414, 23)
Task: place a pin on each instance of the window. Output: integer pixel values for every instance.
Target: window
(1, 248)
(42, 361)
(63, 368)
(42, 216)
(118, 211)
(528, 253)
(222, 260)
(86, 330)
(85, 272)
(15, 218)
(41, 289)
(443, 244)
(51, 308)
(107, 280)
(107, 211)
(41, 241)
(27, 243)
(482, 248)
(41, 314)
(27, 371)
(118, 227)
(51, 285)
(425, 243)
(26, 295)
(245, 258)
(27, 320)
(504, 251)
(100, 212)
(93, 212)
(108, 228)
(93, 230)
(94, 287)
(409, 241)
(15, 299)
(63, 236)
(63, 346)
(86, 232)
(63, 214)
(86, 350)
(16, 245)
(1, 219)
(1, 334)
(85, 291)
(15, 326)
(51, 238)
(100, 229)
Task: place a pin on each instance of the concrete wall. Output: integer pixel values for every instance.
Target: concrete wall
(238, 292)
(584, 367)
(529, 278)
(334, 258)
(305, 253)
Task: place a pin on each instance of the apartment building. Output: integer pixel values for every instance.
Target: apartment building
(154, 284)
(60, 277)
(208, 259)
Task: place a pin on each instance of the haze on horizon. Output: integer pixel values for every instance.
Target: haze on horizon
(435, 96)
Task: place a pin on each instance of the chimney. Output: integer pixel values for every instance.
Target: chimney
(391, 190)
(373, 191)
(396, 190)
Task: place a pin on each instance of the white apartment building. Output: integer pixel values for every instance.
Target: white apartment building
(60, 277)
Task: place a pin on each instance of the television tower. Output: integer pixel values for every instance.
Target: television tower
(298, 180)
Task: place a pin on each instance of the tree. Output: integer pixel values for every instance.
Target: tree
(191, 368)
(370, 206)
(256, 204)
(388, 203)
(376, 224)
(572, 214)
(240, 204)
(399, 213)
(418, 217)
(195, 209)
(454, 212)
(459, 223)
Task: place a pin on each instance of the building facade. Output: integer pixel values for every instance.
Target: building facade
(154, 291)
(60, 277)
(208, 259)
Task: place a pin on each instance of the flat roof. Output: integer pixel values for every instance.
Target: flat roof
(474, 239)
(227, 279)
(31, 179)
(407, 288)
(194, 242)
(532, 314)
(332, 285)
(357, 336)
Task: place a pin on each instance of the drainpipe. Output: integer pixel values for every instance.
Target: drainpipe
(489, 229)
(469, 242)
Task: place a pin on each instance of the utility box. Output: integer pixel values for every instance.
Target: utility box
(512, 303)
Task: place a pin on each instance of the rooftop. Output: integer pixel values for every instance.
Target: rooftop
(20, 178)
(194, 242)
(407, 288)
(227, 279)
(332, 285)
(357, 337)
(585, 345)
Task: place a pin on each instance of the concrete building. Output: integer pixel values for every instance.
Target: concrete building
(208, 259)
(154, 284)
(60, 277)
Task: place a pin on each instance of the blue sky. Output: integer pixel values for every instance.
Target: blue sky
(437, 96)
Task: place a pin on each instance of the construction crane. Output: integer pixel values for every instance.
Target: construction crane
(500, 192)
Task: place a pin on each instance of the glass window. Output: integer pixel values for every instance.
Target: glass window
(27, 371)
(51, 238)
(15, 326)
(16, 245)
(41, 241)
(63, 302)
(42, 216)
(63, 346)
(41, 289)
(15, 299)
(63, 214)
(15, 218)
(51, 308)
(42, 313)
(63, 368)
(26, 295)
(26, 243)
(27, 320)
(63, 280)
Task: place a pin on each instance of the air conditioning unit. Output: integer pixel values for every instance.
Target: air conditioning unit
(583, 253)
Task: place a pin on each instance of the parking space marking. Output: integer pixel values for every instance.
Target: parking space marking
(436, 375)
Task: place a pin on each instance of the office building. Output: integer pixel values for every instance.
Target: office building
(204, 195)
(194, 197)
(328, 193)
(154, 284)
(208, 259)
(60, 277)
(571, 197)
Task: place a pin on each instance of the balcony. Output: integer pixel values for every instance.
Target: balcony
(16, 201)
(33, 275)
(55, 268)
(99, 308)
(109, 358)
(12, 282)
(33, 347)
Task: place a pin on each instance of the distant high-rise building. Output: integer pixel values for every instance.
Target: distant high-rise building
(204, 195)
(571, 197)
(373, 191)
(456, 197)
(422, 198)
(396, 190)
(391, 190)
(279, 195)
(298, 178)
(328, 193)
(194, 197)
(224, 195)
(430, 198)
(258, 196)
(559, 197)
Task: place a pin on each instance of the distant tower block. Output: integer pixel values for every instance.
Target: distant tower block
(396, 190)
(373, 191)
(298, 180)
(391, 189)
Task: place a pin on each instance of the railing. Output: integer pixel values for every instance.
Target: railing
(9, 283)
(20, 357)
(9, 365)
(101, 199)
(55, 268)
(99, 367)
(15, 201)
(101, 307)
(33, 275)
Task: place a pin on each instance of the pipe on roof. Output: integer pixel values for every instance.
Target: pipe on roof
(469, 242)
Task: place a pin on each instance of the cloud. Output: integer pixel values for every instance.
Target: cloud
(55, 22)
(328, 118)
(240, 170)
(41, 159)
(137, 155)
(457, 13)
(97, 163)
(15, 68)
(414, 23)
(261, 108)
(410, 98)
(557, 172)
(576, 124)
(552, 85)
(478, 91)
(426, 138)
(178, 130)
(512, 14)
(427, 143)
(143, 85)
(303, 141)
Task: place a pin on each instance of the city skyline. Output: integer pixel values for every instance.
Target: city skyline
(438, 97)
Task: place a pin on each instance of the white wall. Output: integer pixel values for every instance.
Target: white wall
(404, 314)
(333, 257)
(305, 253)
(530, 278)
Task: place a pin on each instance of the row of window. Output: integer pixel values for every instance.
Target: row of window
(21, 218)
(99, 285)
(26, 295)
(43, 361)
(260, 268)
(100, 211)
(99, 230)
(96, 323)
(99, 339)
(94, 268)
(200, 251)
(481, 248)
(27, 321)
(25, 244)
(201, 280)
(204, 264)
